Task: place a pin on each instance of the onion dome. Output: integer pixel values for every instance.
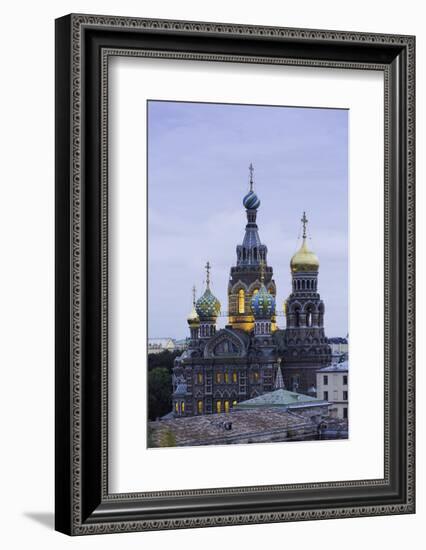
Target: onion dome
(251, 201)
(304, 259)
(193, 319)
(208, 306)
(263, 304)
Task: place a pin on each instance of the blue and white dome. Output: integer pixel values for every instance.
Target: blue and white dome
(251, 201)
(263, 304)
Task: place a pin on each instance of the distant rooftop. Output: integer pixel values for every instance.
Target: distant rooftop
(336, 367)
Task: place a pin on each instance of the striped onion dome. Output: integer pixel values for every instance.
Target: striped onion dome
(251, 201)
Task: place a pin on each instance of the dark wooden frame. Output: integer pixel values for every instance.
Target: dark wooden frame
(83, 46)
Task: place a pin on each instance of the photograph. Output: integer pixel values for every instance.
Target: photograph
(248, 254)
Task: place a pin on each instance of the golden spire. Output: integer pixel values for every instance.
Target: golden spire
(194, 290)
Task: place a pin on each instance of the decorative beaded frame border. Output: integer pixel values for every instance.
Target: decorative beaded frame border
(78, 23)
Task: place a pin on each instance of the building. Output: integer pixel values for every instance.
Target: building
(333, 386)
(339, 347)
(221, 368)
(158, 345)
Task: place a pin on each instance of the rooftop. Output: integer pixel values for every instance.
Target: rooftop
(279, 398)
(336, 367)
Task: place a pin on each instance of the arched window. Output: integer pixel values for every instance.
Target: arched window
(234, 377)
(218, 406)
(200, 407)
(176, 406)
(255, 291)
(226, 405)
(226, 375)
(241, 301)
(200, 378)
(218, 377)
(182, 407)
(234, 402)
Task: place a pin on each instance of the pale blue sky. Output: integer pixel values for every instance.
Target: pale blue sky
(198, 158)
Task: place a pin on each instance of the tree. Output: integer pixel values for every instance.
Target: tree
(159, 392)
(164, 359)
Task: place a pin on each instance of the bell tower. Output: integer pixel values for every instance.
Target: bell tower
(305, 344)
(245, 276)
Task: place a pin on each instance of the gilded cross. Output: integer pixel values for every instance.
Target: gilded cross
(251, 170)
(208, 267)
(304, 221)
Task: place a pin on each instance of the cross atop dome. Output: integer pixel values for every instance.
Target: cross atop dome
(251, 170)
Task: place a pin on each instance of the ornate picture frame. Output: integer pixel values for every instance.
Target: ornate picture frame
(84, 44)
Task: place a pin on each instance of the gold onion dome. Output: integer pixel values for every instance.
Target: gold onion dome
(304, 259)
(193, 319)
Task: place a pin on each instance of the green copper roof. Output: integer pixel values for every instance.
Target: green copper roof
(278, 398)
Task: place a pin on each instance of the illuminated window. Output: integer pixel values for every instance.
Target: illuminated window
(227, 406)
(241, 301)
(176, 407)
(234, 377)
(200, 407)
(218, 406)
(218, 377)
(200, 378)
(234, 402)
(256, 376)
(255, 291)
(226, 377)
(182, 407)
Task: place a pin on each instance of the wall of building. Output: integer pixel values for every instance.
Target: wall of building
(335, 391)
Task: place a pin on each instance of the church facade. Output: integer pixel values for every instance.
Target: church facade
(251, 355)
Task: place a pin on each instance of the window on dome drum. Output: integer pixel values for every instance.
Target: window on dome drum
(226, 405)
(200, 407)
(218, 377)
(234, 377)
(241, 301)
(218, 406)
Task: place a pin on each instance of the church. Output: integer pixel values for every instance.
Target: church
(251, 355)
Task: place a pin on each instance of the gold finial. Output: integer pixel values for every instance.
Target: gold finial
(208, 267)
(251, 170)
(304, 221)
(194, 290)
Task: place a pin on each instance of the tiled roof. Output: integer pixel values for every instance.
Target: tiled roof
(278, 398)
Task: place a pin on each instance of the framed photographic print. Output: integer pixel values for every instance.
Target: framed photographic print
(234, 274)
